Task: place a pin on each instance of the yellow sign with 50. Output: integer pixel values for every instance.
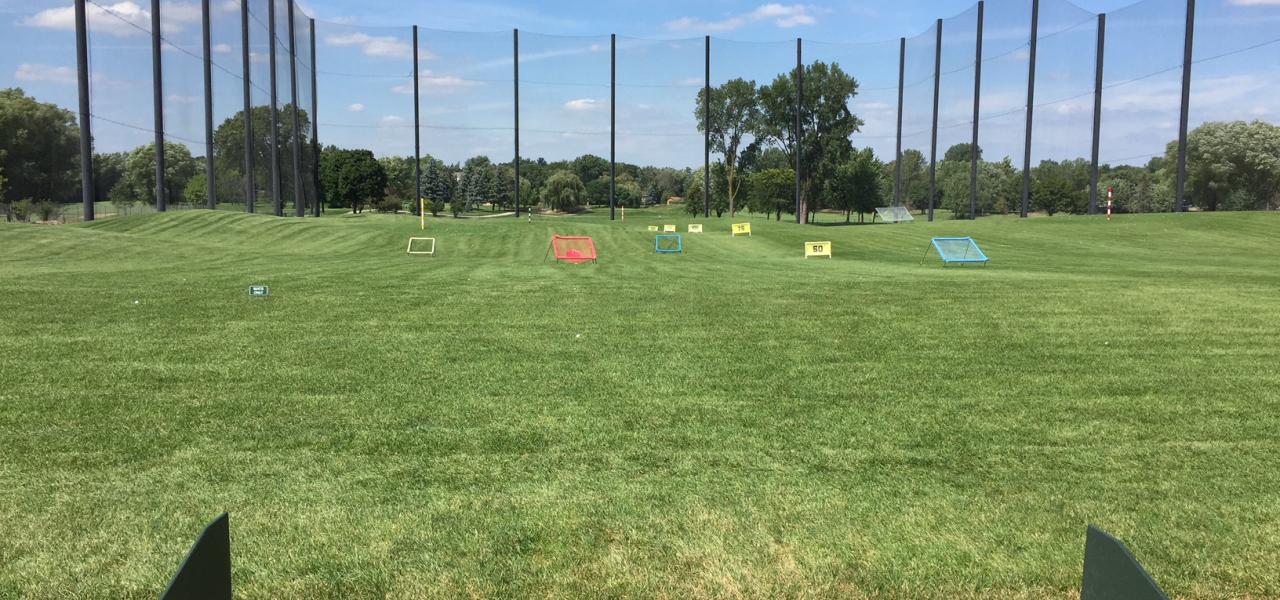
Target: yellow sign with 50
(817, 249)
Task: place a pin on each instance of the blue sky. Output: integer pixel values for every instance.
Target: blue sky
(365, 70)
(847, 20)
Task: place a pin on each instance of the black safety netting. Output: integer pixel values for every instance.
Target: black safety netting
(468, 119)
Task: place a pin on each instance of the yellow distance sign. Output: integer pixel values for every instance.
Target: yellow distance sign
(653, 228)
(817, 249)
(695, 228)
(668, 229)
(742, 229)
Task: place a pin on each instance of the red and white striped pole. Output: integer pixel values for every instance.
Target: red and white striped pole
(1111, 197)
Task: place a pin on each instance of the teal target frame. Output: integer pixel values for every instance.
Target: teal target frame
(661, 248)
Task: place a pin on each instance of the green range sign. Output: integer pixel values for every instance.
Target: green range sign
(259, 291)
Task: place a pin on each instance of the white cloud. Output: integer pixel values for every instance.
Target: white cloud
(531, 57)
(1073, 107)
(435, 84)
(49, 73)
(784, 16)
(1254, 2)
(391, 121)
(222, 48)
(873, 106)
(355, 108)
(179, 99)
(583, 104)
(121, 19)
(376, 46)
(446, 82)
(174, 18)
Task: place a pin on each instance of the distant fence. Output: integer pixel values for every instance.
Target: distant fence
(241, 95)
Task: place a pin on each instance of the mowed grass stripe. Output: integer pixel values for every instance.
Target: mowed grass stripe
(736, 421)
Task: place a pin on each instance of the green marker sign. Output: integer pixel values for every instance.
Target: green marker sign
(259, 291)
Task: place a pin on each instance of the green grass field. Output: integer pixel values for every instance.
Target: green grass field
(733, 422)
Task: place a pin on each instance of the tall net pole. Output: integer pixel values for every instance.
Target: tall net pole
(1031, 106)
(897, 160)
(417, 129)
(516, 86)
(157, 83)
(706, 134)
(933, 136)
(613, 124)
(299, 202)
(977, 101)
(210, 175)
(315, 124)
(277, 203)
(250, 185)
(801, 217)
(1188, 46)
(1097, 112)
(86, 136)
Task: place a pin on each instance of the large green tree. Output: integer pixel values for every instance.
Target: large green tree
(857, 185)
(733, 112)
(108, 168)
(1061, 186)
(915, 179)
(588, 168)
(719, 198)
(826, 122)
(960, 152)
(228, 147)
(479, 184)
(772, 192)
(999, 187)
(1135, 189)
(628, 191)
(564, 192)
(400, 177)
(39, 149)
(137, 181)
(1232, 165)
(437, 182)
(351, 178)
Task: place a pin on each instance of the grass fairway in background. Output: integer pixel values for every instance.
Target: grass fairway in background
(731, 422)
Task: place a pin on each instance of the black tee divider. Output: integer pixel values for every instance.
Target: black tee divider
(1112, 573)
(206, 572)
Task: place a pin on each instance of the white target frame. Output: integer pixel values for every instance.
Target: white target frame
(431, 252)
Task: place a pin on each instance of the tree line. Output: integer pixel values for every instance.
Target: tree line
(1231, 166)
(357, 180)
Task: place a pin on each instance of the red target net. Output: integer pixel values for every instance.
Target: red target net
(573, 249)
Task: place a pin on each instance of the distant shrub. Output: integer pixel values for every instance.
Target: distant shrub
(22, 209)
(47, 211)
(389, 205)
(437, 207)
